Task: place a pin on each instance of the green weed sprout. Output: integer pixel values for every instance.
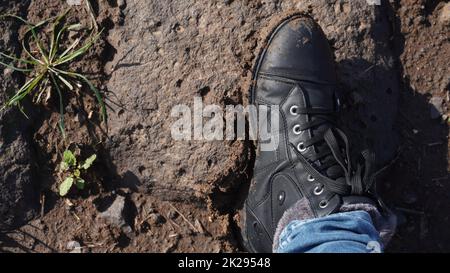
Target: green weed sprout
(45, 70)
(74, 171)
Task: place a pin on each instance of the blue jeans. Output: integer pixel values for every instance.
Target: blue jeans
(347, 232)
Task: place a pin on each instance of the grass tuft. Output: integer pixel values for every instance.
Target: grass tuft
(46, 68)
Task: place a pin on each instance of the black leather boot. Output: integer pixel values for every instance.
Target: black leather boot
(312, 161)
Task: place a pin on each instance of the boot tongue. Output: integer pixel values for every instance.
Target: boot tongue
(321, 96)
(334, 172)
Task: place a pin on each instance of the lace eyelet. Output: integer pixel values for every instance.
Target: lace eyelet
(293, 110)
(323, 204)
(318, 190)
(310, 178)
(301, 147)
(296, 129)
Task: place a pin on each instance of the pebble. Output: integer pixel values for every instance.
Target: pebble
(445, 14)
(172, 214)
(436, 109)
(115, 213)
(74, 247)
(121, 3)
(155, 219)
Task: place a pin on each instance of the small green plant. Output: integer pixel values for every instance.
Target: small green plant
(46, 69)
(73, 171)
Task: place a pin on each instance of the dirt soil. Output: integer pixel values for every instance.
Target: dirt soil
(150, 193)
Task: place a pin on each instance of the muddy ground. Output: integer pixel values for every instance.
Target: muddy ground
(150, 193)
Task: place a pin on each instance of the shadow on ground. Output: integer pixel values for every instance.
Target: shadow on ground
(418, 186)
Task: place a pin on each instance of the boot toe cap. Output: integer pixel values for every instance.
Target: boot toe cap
(298, 49)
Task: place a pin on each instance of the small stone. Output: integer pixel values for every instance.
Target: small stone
(155, 219)
(445, 14)
(127, 229)
(115, 213)
(121, 3)
(73, 2)
(172, 214)
(436, 109)
(74, 247)
(7, 72)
